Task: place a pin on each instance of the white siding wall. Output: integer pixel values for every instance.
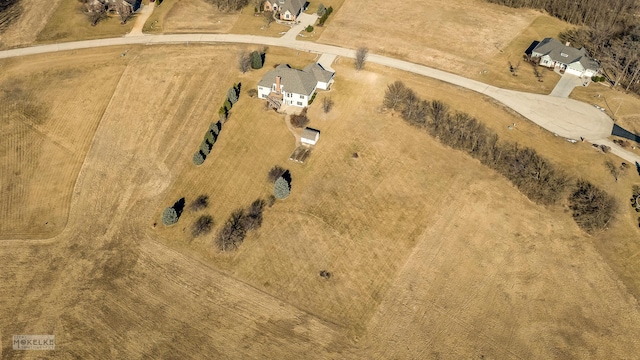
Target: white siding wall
(263, 91)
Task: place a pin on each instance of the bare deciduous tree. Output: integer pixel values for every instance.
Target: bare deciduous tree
(327, 104)
(244, 61)
(201, 202)
(124, 10)
(395, 95)
(268, 18)
(202, 226)
(232, 233)
(361, 57)
(593, 209)
(275, 173)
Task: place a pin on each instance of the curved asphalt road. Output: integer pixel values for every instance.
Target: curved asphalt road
(566, 117)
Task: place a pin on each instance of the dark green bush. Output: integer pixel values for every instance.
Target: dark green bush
(198, 158)
(169, 216)
(205, 148)
(256, 60)
(281, 188)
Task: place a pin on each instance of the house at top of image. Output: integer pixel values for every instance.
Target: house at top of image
(554, 54)
(289, 86)
(288, 10)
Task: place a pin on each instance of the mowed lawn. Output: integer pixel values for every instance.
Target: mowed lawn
(358, 218)
(49, 112)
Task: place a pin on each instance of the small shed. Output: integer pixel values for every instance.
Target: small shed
(310, 136)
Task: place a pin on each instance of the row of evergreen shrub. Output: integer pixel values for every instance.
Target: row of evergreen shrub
(211, 136)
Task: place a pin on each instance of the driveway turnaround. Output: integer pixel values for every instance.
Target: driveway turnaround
(564, 117)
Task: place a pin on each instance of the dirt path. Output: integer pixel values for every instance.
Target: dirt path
(293, 131)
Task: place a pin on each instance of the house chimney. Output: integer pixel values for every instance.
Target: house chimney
(278, 84)
(567, 44)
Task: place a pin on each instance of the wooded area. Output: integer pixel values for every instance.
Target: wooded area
(610, 30)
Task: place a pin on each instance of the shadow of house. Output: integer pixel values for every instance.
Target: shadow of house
(529, 50)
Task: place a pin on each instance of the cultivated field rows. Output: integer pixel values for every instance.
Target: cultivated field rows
(48, 125)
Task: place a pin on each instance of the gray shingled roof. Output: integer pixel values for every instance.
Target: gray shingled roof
(558, 51)
(294, 6)
(319, 72)
(294, 80)
(309, 133)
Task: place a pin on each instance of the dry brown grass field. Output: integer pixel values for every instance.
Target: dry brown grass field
(623, 107)
(250, 23)
(68, 23)
(432, 255)
(49, 113)
(470, 37)
(32, 18)
(189, 16)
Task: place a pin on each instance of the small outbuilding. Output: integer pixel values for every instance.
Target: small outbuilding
(310, 136)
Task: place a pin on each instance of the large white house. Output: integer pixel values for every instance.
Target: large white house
(554, 54)
(286, 85)
(288, 10)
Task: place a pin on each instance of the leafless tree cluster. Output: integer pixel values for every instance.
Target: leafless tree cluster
(235, 229)
(229, 5)
(98, 9)
(202, 226)
(327, 104)
(611, 33)
(535, 176)
(275, 173)
(593, 209)
(244, 61)
(201, 202)
(299, 120)
(583, 12)
(615, 170)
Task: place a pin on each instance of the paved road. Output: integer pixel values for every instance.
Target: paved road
(565, 117)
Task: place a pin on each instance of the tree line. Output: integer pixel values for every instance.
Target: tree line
(610, 31)
(536, 177)
(229, 5)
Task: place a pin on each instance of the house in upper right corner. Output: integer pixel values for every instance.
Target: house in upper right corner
(556, 55)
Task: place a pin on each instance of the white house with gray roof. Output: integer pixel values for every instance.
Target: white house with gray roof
(554, 54)
(286, 85)
(288, 10)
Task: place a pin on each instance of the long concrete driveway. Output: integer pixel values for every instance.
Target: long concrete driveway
(565, 117)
